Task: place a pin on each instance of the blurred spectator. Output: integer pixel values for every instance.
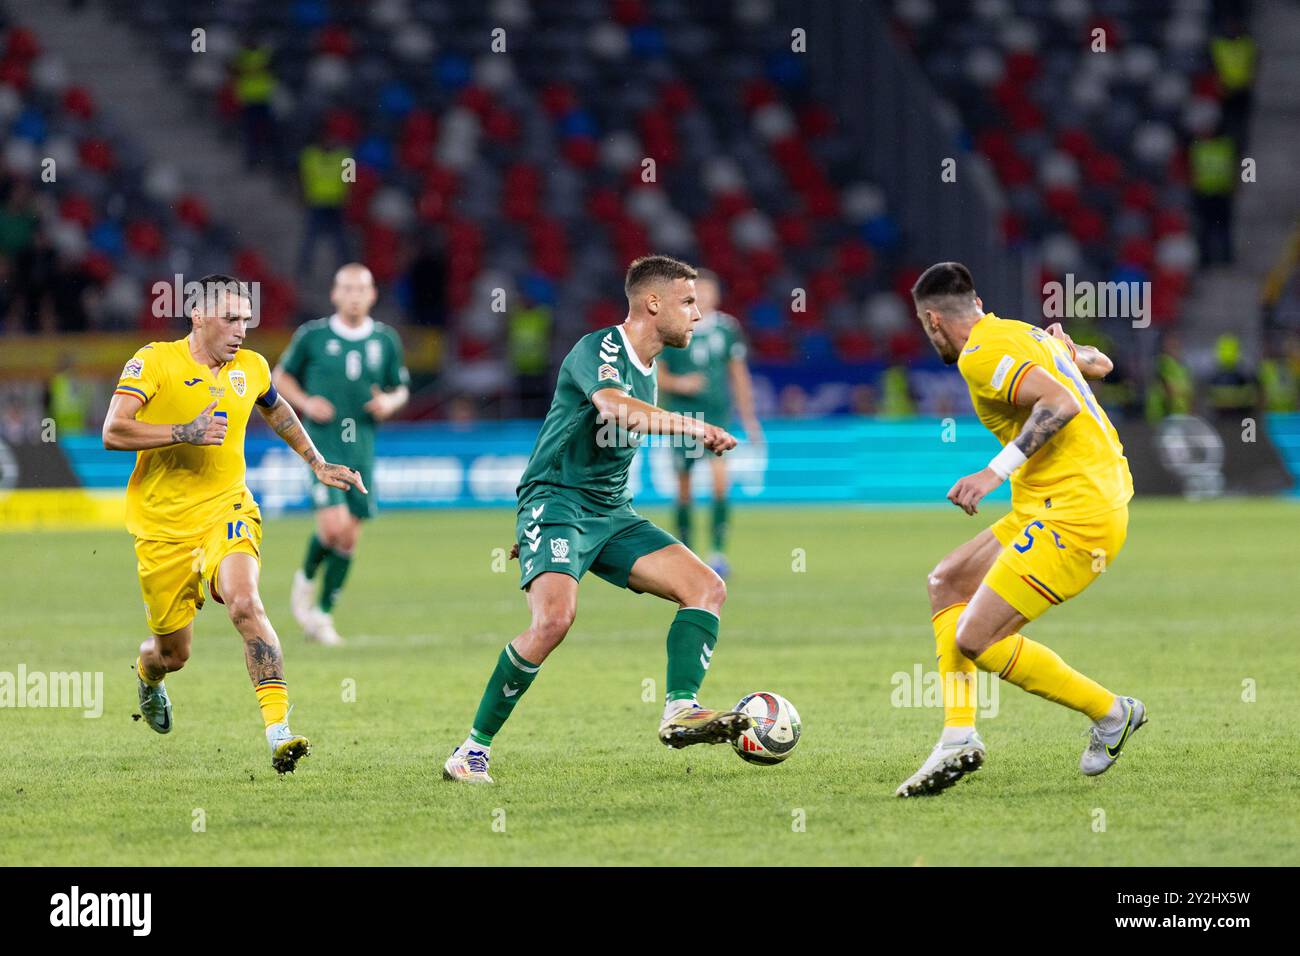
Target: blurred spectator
(320, 168)
(862, 400)
(1170, 391)
(793, 402)
(1214, 177)
(18, 425)
(426, 278)
(896, 401)
(254, 85)
(1233, 391)
(67, 399)
(461, 411)
(528, 334)
(1234, 55)
(1279, 373)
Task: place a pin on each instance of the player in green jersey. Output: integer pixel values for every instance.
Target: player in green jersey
(704, 379)
(575, 515)
(344, 374)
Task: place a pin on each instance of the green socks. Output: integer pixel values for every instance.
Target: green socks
(720, 508)
(507, 684)
(315, 555)
(691, 639)
(684, 524)
(336, 570)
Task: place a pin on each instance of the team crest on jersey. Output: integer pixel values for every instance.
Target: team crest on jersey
(332, 347)
(133, 368)
(238, 381)
(607, 372)
(560, 550)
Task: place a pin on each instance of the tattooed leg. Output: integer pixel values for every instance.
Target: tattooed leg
(237, 582)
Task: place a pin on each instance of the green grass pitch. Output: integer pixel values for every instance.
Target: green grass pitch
(1199, 608)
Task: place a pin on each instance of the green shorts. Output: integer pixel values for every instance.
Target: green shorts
(556, 533)
(687, 453)
(362, 506)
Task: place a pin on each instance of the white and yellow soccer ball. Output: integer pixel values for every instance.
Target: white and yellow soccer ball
(776, 728)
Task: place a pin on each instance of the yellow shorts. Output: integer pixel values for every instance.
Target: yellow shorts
(172, 572)
(1045, 561)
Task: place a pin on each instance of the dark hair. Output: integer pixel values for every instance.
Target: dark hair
(653, 269)
(211, 285)
(944, 279)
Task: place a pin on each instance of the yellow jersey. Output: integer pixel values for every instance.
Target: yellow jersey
(1081, 471)
(177, 492)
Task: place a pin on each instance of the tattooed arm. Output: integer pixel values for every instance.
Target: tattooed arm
(123, 432)
(1051, 405)
(284, 421)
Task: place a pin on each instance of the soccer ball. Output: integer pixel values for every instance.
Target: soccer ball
(775, 731)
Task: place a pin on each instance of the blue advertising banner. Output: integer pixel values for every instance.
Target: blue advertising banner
(841, 459)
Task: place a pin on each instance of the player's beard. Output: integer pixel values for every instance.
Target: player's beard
(944, 346)
(676, 339)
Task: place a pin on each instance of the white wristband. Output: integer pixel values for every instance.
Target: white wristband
(1007, 460)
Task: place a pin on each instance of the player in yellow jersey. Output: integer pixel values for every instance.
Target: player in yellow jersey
(183, 407)
(1070, 488)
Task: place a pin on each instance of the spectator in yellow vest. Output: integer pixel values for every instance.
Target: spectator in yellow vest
(1214, 177)
(324, 190)
(253, 84)
(1234, 55)
(1170, 389)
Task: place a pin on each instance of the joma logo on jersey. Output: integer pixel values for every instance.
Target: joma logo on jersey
(238, 381)
(560, 550)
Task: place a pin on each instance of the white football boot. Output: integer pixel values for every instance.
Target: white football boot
(1104, 748)
(467, 765)
(302, 597)
(320, 628)
(947, 763)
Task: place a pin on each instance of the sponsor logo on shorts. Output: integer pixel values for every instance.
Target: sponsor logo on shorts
(560, 550)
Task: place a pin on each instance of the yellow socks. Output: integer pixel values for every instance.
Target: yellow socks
(273, 698)
(1040, 670)
(139, 669)
(955, 669)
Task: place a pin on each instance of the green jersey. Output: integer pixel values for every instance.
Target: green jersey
(575, 453)
(340, 363)
(716, 343)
